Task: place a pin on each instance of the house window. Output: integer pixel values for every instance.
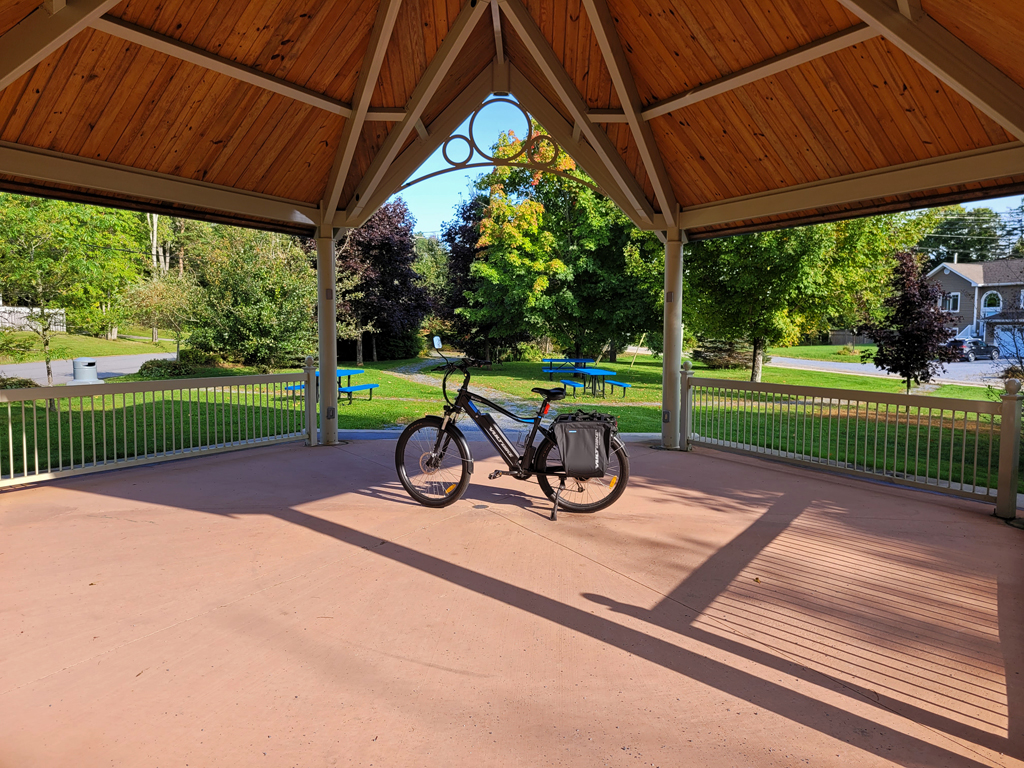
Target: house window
(991, 303)
(951, 302)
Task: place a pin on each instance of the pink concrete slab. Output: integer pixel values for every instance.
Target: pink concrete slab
(292, 606)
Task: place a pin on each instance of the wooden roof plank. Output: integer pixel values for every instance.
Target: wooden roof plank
(945, 56)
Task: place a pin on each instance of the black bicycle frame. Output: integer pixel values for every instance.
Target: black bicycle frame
(466, 401)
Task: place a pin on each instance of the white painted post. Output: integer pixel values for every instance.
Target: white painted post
(1009, 452)
(673, 339)
(327, 326)
(310, 393)
(685, 408)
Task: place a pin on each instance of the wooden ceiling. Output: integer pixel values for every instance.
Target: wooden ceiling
(712, 118)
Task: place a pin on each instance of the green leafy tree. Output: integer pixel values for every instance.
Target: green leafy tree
(167, 301)
(257, 301)
(58, 256)
(766, 288)
(965, 236)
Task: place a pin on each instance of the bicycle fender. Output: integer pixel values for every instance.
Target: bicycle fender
(456, 434)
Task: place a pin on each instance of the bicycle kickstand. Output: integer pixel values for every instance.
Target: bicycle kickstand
(558, 494)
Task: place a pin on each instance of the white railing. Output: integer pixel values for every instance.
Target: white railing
(55, 432)
(964, 447)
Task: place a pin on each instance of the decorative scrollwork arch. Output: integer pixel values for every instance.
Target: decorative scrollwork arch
(538, 152)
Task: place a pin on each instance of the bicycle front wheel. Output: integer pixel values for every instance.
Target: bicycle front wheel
(584, 494)
(434, 474)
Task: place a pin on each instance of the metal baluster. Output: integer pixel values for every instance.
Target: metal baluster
(963, 451)
(938, 453)
(885, 441)
(977, 439)
(24, 441)
(906, 446)
(10, 438)
(35, 434)
(991, 445)
(952, 444)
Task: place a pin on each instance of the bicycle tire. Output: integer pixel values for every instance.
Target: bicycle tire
(433, 486)
(617, 481)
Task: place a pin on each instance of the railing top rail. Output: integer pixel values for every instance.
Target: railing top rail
(159, 385)
(853, 395)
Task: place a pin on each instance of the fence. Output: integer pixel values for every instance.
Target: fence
(964, 447)
(23, 319)
(61, 431)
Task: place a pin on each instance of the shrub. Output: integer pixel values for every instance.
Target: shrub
(193, 356)
(13, 382)
(399, 346)
(166, 369)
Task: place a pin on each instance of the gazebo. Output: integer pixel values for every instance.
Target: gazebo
(698, 119)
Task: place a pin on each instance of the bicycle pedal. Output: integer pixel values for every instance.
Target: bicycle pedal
(495, 474)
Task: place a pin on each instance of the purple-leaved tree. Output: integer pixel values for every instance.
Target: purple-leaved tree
(912, 338)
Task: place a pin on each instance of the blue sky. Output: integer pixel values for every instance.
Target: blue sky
(433, 201)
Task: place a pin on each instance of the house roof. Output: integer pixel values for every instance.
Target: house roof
(997, 272)
(713, 118)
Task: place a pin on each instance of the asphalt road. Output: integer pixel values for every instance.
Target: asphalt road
(978, 372)
(107, 367)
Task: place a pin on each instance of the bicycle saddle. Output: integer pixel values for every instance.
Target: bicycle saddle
(550, 394)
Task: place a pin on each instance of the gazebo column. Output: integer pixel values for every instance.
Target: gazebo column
(673, 337)
(327, 329)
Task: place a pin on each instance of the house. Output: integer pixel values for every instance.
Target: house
(985, 299)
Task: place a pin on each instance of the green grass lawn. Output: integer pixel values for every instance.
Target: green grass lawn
(829, 352)
(74, 345)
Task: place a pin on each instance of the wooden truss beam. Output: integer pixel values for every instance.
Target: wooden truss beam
(551, 119)
(519, 17)
(453, 44)
(43, 32)
(443, 126)
(179, 50)
(380, 36)
(42, 165)
(964, 168)
(805, 53)
(622, 78)
(948, 58)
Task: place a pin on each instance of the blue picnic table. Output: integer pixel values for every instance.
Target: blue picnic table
(596, 376)
(349, 388)
(564, 365)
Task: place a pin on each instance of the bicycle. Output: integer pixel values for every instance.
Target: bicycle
(434, 462)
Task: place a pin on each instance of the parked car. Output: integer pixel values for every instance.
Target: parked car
(971, 349)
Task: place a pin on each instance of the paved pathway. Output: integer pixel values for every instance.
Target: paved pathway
(107, 367)
(978, 372)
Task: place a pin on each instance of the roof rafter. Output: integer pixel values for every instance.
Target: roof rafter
(548, 116)
(439, 65)
(948, 58)
(964, 168)
(499, 45)
(175, 48)
(622, 78)
(42, 33)
(380, 36)
(417, 153)
(53, 167)
(805, 53)
(552, 68)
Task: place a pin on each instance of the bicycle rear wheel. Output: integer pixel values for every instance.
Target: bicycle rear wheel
(434, 479)
(584, 494)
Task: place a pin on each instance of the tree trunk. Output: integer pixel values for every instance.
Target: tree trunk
(613, 354)
(359, 350)
(487, 350)
(373, 343)
(755, 369)
(112, 333)
(156, 334)
(46, 357)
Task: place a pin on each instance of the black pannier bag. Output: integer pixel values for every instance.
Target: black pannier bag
(584, 440)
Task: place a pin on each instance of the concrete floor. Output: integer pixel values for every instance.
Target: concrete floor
(289, 606)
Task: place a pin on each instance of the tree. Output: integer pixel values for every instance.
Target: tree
(766, 288)
(168, 301)
(389, 298)
(601, 295)
(257, 298)
(60, 256)
(912, 336)
(965, 236)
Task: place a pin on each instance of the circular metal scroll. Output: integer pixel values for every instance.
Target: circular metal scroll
(537, 152)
